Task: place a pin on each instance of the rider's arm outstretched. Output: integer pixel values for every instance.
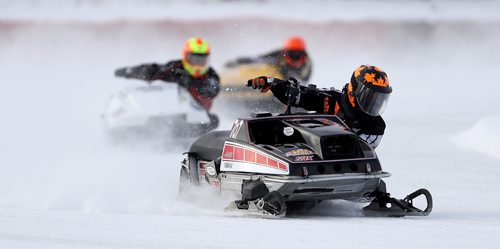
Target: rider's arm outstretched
(359, 104)
(307, 98)
(148, 72)
(269, 58)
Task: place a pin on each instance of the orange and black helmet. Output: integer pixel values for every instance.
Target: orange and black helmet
(295, 52)
(369, 90)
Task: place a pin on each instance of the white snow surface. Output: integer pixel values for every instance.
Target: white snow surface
(483, 137)
(64, 185)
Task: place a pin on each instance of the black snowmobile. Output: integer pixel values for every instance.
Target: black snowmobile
(292, 161)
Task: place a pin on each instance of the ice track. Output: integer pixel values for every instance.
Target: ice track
(62, 185)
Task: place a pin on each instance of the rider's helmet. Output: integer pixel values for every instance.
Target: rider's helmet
(369, 90)
(195, 56)
(295, 52)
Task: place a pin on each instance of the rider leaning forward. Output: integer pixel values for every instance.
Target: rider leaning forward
(192, 72)
(359, 104)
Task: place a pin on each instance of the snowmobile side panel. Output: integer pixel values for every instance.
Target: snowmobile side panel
(209, 146)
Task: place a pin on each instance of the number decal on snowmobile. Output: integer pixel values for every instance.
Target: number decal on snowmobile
(236, 128)
(228, 165)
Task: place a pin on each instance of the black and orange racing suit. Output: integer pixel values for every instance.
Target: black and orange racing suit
(203, 89)
(369, 128)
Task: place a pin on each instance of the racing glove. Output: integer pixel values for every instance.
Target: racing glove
(146, 72)
(261, 82)
(122, 72)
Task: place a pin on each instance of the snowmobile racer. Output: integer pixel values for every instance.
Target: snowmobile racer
(292, 161)
(359, 104)
(291, 61)
(192, 72)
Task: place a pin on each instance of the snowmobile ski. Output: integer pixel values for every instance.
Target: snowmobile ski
(272, 205)
(384, 205)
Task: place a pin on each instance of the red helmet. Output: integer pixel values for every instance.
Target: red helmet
(295, 52)
(369, 89)
(294, 43)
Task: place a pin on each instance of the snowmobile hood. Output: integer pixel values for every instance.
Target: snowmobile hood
(295, 152)
(320, 142)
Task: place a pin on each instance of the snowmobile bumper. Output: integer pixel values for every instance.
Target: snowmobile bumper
(354, 187)
(327, 178)
(267, 195)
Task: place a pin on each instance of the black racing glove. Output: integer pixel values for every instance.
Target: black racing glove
(122, 72)
(261, 82)
(142, 72)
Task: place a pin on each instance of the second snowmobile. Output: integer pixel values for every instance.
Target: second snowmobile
(156, 110)
(233, 89)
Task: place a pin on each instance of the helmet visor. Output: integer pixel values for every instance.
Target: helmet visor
(371, 101)
(295, 58)
(296, 55)
(197, 59)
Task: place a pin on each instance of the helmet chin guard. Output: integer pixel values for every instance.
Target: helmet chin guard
(195, 70)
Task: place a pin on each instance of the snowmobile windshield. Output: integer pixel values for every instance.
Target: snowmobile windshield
(370, 101)
(197, 59)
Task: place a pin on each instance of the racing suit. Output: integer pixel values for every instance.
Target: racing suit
(369, 128)
(202, 89)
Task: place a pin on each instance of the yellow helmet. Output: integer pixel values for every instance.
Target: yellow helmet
(195, 56)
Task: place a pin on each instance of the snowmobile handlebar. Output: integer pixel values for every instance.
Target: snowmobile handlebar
(274, 81)
(292, 90)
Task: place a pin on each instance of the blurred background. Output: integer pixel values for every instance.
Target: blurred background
(57, 60)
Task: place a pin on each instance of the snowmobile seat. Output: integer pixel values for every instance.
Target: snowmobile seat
(209, 146)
